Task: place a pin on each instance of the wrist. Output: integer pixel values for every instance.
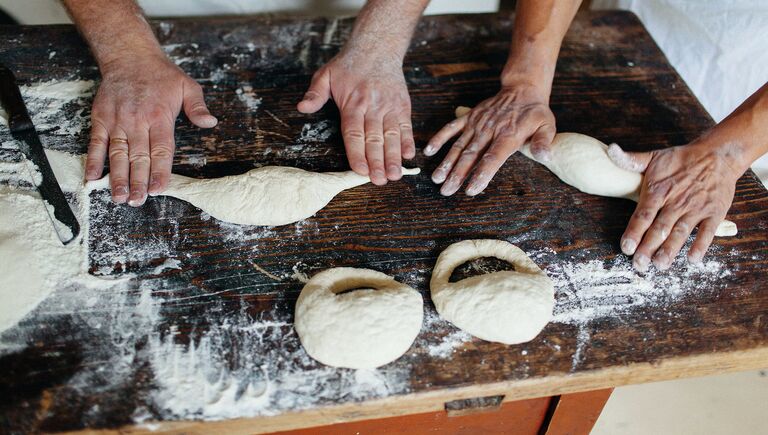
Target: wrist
(533, 85)
(730, 149)
(141, 60)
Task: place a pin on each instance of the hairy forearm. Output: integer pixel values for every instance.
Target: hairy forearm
(540, 26)
(384, 28)
(743, 135)
(115, 30)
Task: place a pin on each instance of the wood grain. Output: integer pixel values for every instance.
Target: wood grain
(612, 82)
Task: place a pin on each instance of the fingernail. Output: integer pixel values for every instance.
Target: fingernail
(121, 190)
(661, 260)
(91, 173)
(695, 257)
(450, 187)
(154, 186)
(641, 262)
(628, 246)
(476, 188)
(429, 150)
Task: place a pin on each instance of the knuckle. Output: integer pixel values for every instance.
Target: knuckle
(392, 133)
(139, 157)
(645, 214)
(353, 134)
(161, 151)
(118, 152)
(374, 139)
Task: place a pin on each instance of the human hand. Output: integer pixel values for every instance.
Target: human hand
(492, 132)
(375, 112)
(683, 187)
(133, 120)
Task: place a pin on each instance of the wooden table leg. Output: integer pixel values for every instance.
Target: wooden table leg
(575, 414)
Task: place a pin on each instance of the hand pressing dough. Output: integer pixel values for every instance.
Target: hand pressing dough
(506, 306)
(270, 195)
(582, 162)
(362, 329)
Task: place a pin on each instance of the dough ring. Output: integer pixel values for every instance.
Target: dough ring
(506, 306)
(362, 329)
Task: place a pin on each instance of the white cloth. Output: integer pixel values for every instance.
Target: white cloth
(720, 48)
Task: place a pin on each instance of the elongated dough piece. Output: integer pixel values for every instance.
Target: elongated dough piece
(270, 195)
(582, 161)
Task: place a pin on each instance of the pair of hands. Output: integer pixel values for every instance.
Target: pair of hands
(134, 114)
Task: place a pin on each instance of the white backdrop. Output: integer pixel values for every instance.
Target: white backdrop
(720, 48)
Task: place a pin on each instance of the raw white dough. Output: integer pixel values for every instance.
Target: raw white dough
(33, 261)
(362, 329)
(270, 195)
(506, 306)
(582, 162)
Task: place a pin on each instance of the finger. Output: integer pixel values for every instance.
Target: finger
(706, 234)
(444, 135)
(161, 148)
(442, 171)
(651, 200)
(195, 108)
(541, 141)
(665, 255)
(318, 93)
(374, 148)
(352, 123)
(464, 165)
(492, 160)
(97, 150)
(654, 236)
(392, 147)
(138, 155)
(119, 165)
(635, 162)
(406, 137)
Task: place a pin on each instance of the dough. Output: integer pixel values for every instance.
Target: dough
(506, 306)
(582, 162)
(270, 195)
(33, 261)
(362, 329)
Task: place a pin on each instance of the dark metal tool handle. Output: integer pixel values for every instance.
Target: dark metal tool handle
(23, 130)
(10, 97)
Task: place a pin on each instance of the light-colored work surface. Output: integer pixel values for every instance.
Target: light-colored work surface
(727, 404)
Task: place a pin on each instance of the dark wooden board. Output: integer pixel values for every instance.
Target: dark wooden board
(86, 359)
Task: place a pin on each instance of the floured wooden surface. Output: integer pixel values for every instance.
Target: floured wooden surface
(201, 325)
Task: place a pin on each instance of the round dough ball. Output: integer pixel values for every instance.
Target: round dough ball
(362, 329)
(506, 306)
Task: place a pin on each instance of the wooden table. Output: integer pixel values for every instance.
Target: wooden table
(213, 326)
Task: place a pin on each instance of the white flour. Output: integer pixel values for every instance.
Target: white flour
(46, 102)
(248, 97)
(591, 290)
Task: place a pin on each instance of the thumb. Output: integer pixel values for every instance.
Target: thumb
(541, 141)
(630, 161)
(318, 93)
(195, 108)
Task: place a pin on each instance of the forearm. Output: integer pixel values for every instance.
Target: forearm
(384, 28)
(115, 30)
(743, 135)
(540, 26)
